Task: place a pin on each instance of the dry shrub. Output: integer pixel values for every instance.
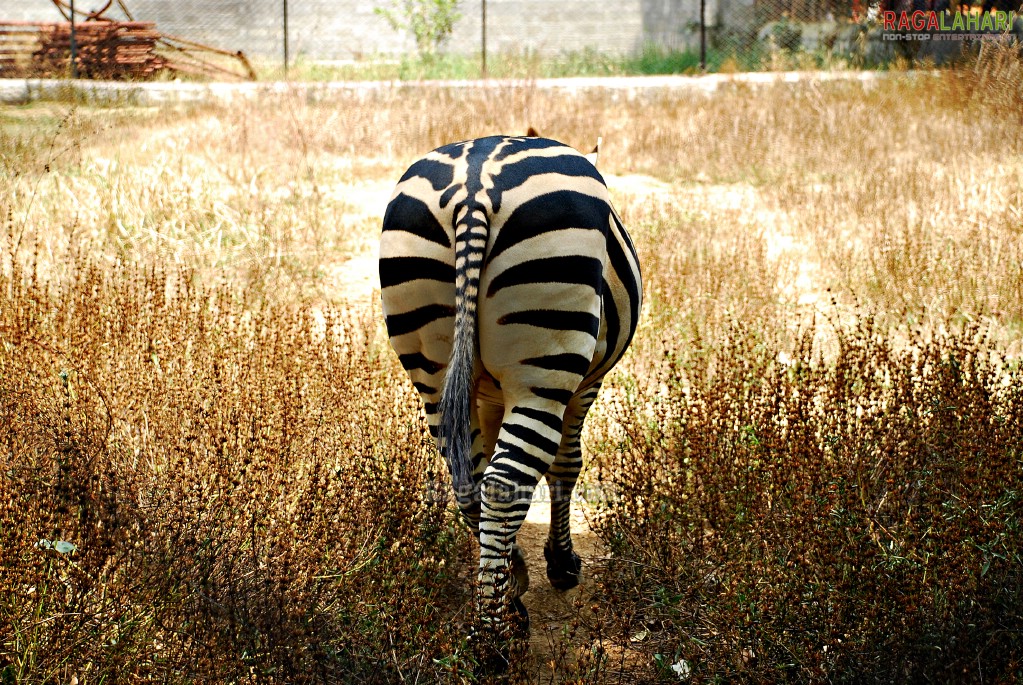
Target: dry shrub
(992, 81)
(244, 474)
(248, 488)
(799, 520)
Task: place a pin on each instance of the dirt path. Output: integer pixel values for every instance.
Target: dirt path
(552, 611)
(357, 279)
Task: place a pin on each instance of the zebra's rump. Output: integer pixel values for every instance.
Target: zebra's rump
(555, 262)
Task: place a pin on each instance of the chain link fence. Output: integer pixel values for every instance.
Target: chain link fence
(759, 34)
(780, 34)
(727, 34)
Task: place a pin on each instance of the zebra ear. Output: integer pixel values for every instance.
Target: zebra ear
(531, 133)
(596, 152)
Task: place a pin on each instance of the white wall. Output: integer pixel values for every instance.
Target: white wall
(348, 29)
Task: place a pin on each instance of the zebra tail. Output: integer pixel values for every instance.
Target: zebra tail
(459, 388)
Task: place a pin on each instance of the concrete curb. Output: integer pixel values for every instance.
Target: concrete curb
(23, 91)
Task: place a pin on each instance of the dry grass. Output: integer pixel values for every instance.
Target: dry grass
(814, 445)
(855, 520)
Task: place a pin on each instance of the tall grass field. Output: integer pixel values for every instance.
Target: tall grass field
(809, 467)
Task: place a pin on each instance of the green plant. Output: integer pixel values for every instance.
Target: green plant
(786, 35)
(430, 22)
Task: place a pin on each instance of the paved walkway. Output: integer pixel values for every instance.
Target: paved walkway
(22, 91)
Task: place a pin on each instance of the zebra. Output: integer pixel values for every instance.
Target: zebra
(509, 289)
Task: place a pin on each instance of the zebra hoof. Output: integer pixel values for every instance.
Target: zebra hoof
(564, 567)
(492, 658)
(493, 646)
(519, 619)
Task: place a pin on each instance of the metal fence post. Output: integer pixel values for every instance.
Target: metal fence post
(483, 37)
(703, 35)
(74, 44)
(285, 40)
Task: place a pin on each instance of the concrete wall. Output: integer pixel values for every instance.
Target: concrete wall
(676, 25)
(551, 27)
(349, 29)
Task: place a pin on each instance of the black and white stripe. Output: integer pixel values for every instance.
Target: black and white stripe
(510, 288)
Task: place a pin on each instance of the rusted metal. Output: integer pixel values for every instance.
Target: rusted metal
(189, 48)
(109, 49)
(105, 49)
(65, 9)
(18, 42)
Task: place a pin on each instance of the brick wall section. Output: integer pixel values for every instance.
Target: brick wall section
(349, 29)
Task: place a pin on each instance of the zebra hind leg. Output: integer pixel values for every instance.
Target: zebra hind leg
(502, 585)
(504, 630)
(490, 416)
(507, 490)
(564, 567)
